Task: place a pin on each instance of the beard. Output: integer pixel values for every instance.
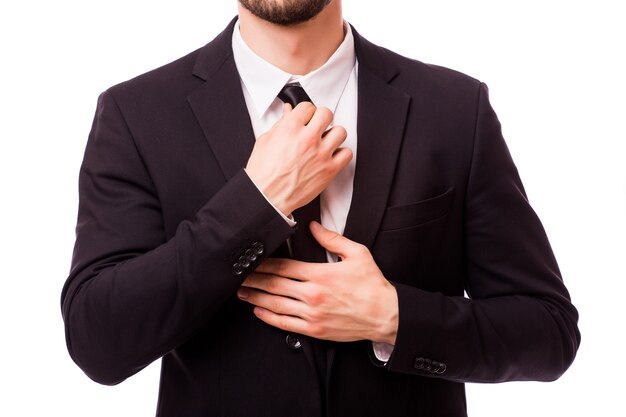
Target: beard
(285, 12)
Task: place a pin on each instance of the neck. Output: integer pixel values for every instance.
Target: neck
(297, 49)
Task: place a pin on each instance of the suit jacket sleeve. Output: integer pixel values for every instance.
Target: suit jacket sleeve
(518, 323)
(131, 295)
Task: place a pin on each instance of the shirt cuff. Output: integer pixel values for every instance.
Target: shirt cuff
(289, 219)
(382, 351)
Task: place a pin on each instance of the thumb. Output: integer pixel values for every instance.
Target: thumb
(332, 241)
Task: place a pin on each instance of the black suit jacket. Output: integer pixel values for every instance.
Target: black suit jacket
(166, 211)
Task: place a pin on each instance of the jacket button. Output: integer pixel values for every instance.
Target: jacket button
(419, 363)
(293, 342)
(258, 248)
(238, 269)
(428, 365)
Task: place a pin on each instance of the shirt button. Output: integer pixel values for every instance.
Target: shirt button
(293, 342)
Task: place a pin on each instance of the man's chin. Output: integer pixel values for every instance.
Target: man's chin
(287, 12)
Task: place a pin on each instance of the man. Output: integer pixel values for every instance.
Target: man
(200, 245)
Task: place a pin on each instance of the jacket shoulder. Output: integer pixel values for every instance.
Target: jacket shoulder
(413, 76)
(182, 75)
(430, 77)
(168, 78)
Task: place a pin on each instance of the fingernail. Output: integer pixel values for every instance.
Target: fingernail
(243, 293)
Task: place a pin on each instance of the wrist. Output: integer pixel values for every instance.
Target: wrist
(281, 205)
(387, 328)
(278, 201)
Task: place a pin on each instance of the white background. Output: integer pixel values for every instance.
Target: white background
(556, 74)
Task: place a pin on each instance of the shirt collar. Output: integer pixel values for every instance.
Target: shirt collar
(264, 81)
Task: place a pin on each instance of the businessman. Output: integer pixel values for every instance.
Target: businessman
(289, 218)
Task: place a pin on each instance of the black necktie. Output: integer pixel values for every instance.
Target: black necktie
(293, 94)
(304, 247)
(303, 244)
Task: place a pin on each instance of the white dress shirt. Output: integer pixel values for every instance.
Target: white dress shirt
(333, 85)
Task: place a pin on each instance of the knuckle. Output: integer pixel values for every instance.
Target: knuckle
(251, 280)
(313, 317)
(309, 139)
(306, 105)
(272, 285)
(281, 265)
(276, 304)
(315, 330)
(281, 323)
(316, 298)
(291, 126)
(332, 238)
(362, 250)
(329, 170)
(325, 111)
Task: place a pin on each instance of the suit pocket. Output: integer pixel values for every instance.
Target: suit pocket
(418, 213)
(413, 241)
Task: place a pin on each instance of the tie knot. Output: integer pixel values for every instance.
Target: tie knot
(293, 94)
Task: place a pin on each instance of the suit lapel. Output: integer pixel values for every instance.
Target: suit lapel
(220, 108)
(382, 113)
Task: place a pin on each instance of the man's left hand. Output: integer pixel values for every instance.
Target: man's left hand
(342, 301)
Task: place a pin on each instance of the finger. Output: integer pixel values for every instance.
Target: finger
(283, 322)
(288, 268)
(333, 138)
(274, 284)
(334, 242)
(275, 303)
(286, 109)
(321, 120)
(341, 158)
(303, 112)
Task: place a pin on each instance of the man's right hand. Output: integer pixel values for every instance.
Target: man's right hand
(297, 158)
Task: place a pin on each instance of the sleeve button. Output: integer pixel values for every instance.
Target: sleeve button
(441, 368)
(258, 248)
(244, 261)
(251, 255)
(238, 269)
